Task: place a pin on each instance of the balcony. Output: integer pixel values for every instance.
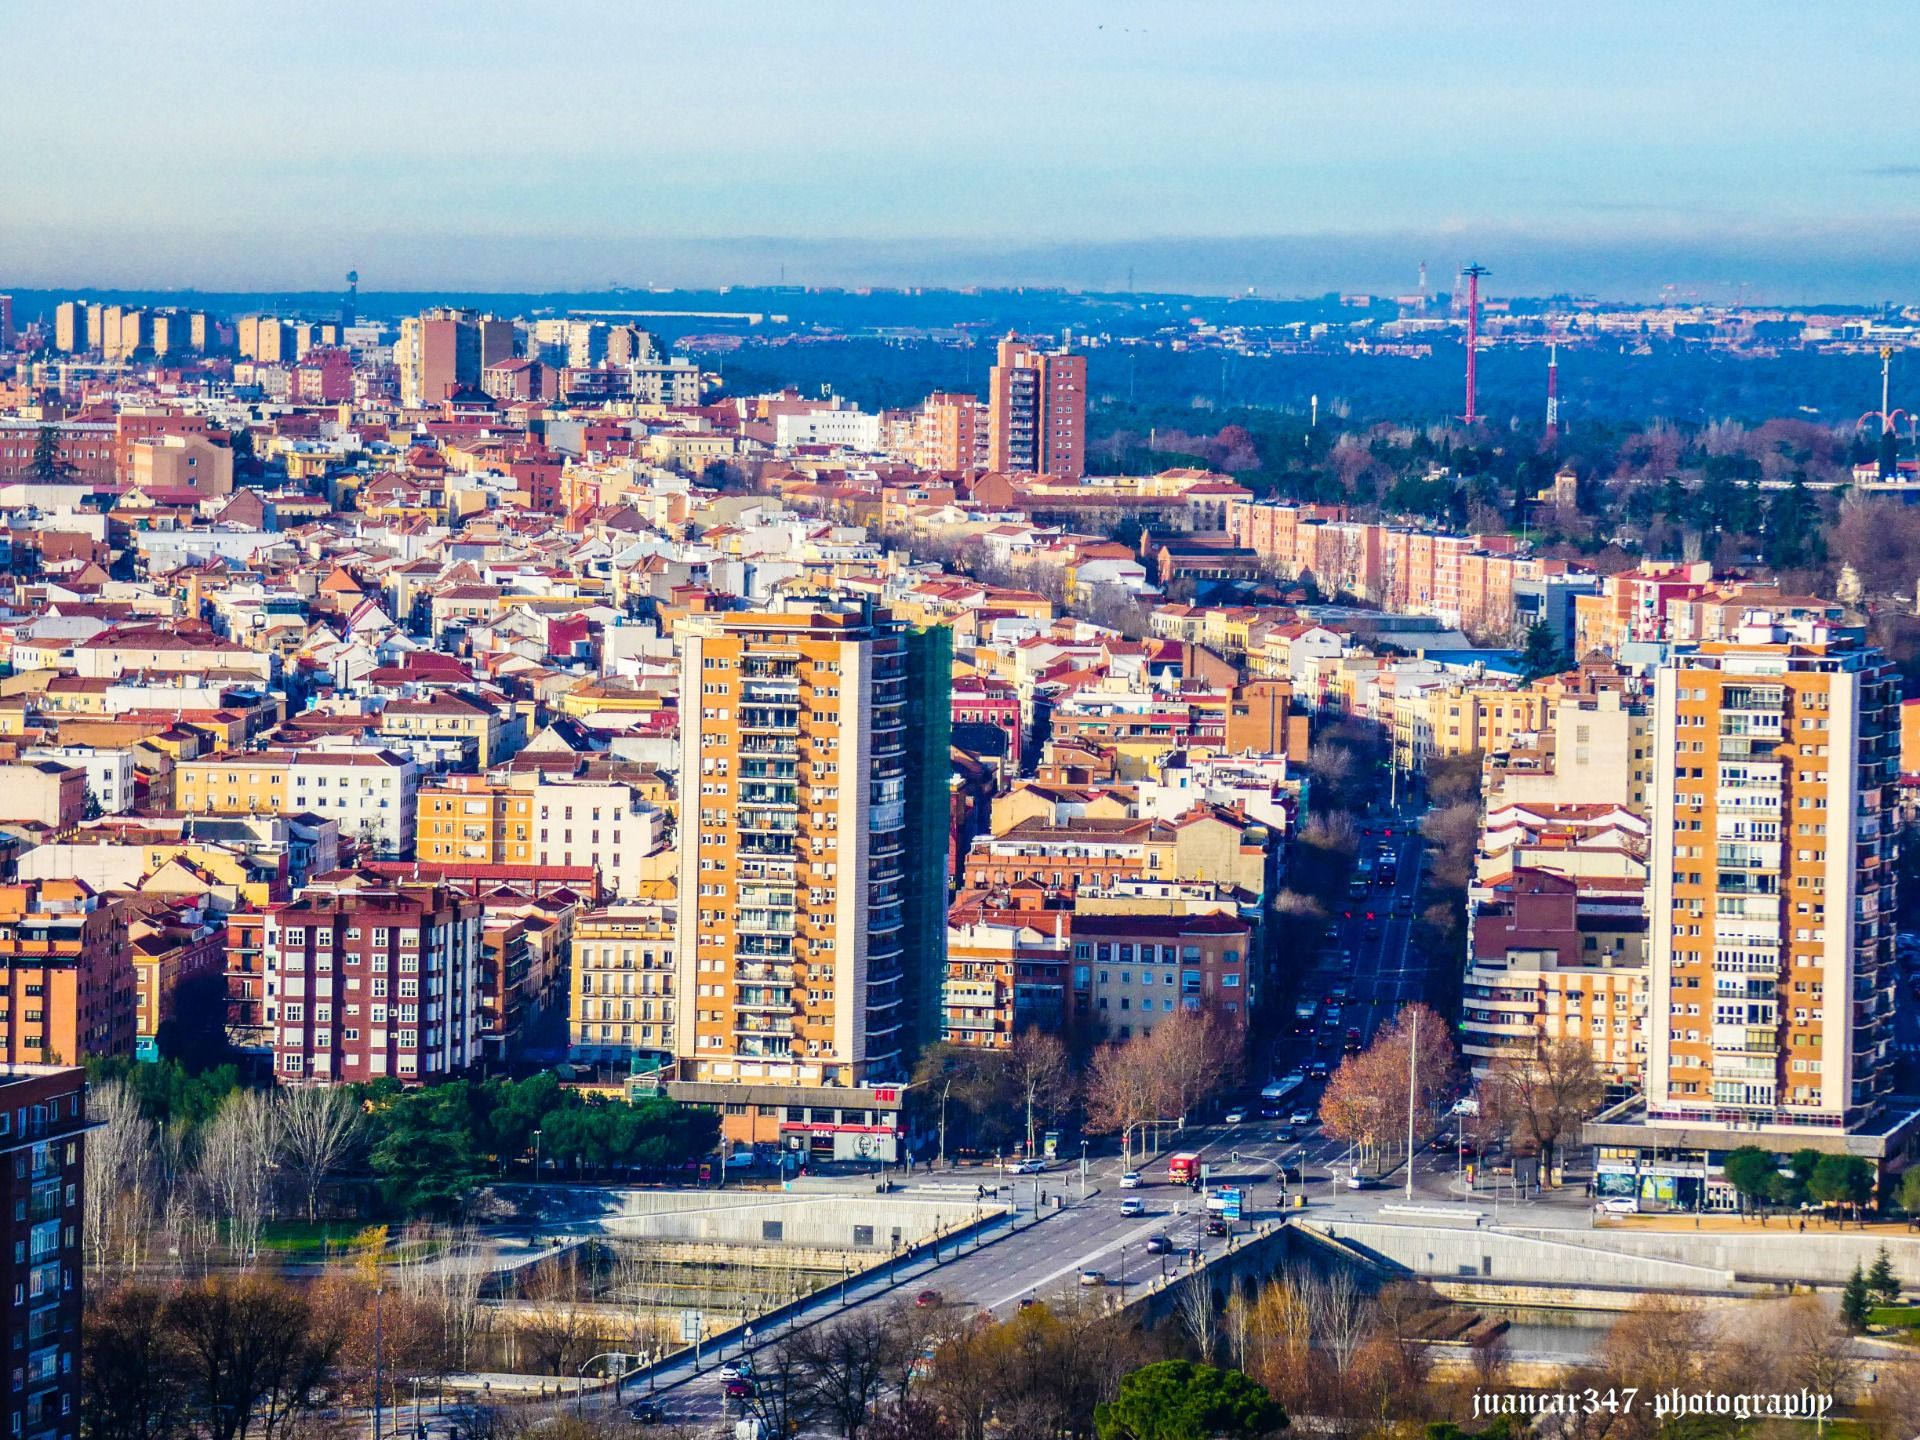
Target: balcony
(771, 1002)
(762, 971)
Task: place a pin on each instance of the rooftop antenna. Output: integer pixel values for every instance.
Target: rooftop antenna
(1473, 274)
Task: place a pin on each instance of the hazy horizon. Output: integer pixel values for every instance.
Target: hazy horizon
(1724, 151)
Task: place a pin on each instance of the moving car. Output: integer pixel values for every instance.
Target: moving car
(1217, 1225)
(1159, 1245)
(1321, 1070)
(1285, 1135)
(1133, 1206)
(1236, 1116)
(1030, 1167)
(1301, 1117)
(1130, 1180)
(646, 1412)
(1093, 1277)
(740, 1389)
(741, 1369)
(1619, 1205)
(926, 1299)
(1352, 1045)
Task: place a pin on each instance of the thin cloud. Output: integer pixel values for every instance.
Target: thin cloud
(1893, 172)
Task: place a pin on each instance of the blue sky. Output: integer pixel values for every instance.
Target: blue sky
(1214, 143)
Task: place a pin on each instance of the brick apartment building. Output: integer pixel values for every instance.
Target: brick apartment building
(367, 977)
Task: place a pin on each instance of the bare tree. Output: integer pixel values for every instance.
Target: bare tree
(1124, 1087)
(1366, 1101)
(449, 1286)
(318, 1127)
(556, 1325)
(120, 1166)
(1539, 1094)
(784, 1399)
(1040, 1068)
(1193, 1303)
(236, 1158)
(1341, 1315)
(1812, 1350)
(1195, 1053)
(845, 1368)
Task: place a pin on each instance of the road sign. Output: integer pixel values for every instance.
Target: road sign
(1205, 1171)
(689, 1325)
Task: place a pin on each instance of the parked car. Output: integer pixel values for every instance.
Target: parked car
(1133, 1206)
(1130, 1180)
(1619, 1205)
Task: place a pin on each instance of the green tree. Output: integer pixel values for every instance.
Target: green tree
(1793, 528)
(1881, 1281)
(1178, 1400)
(1845, 1180)
(1855, 1301)
(1543, 654)
(1751, 1171)
(48, 463)
(1910, 1190)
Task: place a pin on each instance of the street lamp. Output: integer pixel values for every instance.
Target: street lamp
(536, 1156)
(580, 1378)
(945, 1091)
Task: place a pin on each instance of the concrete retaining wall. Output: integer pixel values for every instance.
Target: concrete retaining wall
(1776, 1254)
(1510, 1257)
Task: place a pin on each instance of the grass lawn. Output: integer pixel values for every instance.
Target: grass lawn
(297, 1237)
(1905, 1317)
(331, 1239)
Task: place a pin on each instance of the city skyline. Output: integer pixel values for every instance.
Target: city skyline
(1241, 147)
